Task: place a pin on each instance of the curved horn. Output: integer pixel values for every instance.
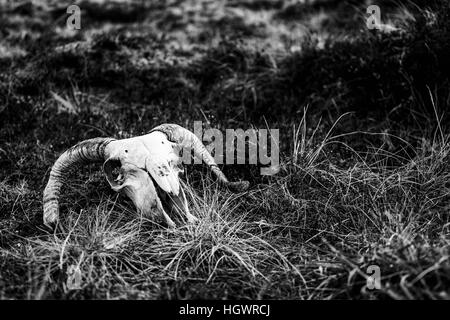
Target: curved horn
(186, 138)
(87, 151)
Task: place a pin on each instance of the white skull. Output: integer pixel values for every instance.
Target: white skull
(144, 168)
(133, 182)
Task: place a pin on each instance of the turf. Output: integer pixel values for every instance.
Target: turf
(364, 147)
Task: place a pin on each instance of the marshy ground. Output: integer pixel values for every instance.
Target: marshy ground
(364, 147)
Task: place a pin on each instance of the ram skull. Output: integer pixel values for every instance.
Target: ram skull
(145, 168)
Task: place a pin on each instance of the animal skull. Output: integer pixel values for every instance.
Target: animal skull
(145, 168)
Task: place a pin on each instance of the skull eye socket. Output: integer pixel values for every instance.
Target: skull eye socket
(113, 171)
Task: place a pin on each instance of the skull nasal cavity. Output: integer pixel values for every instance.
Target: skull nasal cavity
(112, 168)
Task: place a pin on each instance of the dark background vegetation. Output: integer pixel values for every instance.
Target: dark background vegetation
(363, 127)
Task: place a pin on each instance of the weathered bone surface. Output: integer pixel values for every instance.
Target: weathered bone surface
(133, 166)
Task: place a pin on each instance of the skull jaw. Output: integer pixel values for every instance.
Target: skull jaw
(136, 184)
(142, 192)
(149, 207)
(142, 200)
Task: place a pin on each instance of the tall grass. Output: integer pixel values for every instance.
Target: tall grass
(311, 232)
(364, 167)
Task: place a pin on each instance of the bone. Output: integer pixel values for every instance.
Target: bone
(186, 139)
(88, 151)
(148, 166)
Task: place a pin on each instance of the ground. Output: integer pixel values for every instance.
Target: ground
(364, 173)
